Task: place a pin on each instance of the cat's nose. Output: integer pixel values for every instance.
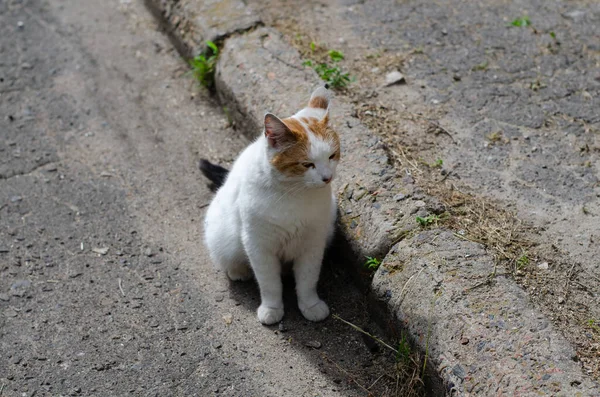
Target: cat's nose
(326, 179)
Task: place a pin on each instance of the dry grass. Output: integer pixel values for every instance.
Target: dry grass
(404, 379)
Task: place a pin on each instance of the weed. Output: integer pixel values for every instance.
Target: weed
(522, 261)
(537, 85)
(203, 65)
(438, 163)
(372, 263)
(521, 22)
(495, 137)
(594, 325)
(331, 73)
(403, 352)
(482, 66)
(428, 220)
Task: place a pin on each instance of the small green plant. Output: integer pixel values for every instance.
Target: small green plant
(428, 220)
(521, 22)
(482, 66)
(594, 325)
(372, 263)
(522, 261)
(332, 74)
(403, 352)
(203, 65)
(536, 85)
(438, 163)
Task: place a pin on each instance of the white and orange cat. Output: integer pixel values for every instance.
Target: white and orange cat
(276, 206)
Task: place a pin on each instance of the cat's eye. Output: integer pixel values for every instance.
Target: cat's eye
(308, 165)
(332, 156)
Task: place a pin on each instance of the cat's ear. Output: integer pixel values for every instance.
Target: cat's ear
(276, 132)
(320, 99)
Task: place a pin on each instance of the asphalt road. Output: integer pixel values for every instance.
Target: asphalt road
(105, 286)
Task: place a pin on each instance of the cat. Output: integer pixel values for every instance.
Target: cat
(275, 206)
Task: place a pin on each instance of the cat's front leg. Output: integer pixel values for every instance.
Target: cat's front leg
(267, 271)
(307, 268)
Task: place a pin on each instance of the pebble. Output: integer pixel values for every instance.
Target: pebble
(561, 300)
(314, 344)
(4, 297)
(543, 266)
(228, 318)
(282, 327)
(101, 251)
(394, 77)
(14, 199)
(399, 197)
(10, 313)
(219, 298)
(19, 288)
(20, 24)
(459, 371)
(464, 341)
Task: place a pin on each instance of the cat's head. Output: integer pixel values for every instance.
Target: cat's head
(304, 148)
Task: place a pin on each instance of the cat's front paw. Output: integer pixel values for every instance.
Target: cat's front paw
(269, 315)
(317, 312)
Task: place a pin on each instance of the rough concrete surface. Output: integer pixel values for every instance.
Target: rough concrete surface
(105, 287)
(483, 340)
(194, 22)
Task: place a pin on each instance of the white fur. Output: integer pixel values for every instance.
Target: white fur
(264, 218)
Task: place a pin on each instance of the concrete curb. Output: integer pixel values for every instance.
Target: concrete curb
(192, 23)
(482, 338)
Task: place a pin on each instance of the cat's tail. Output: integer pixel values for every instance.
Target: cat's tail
(215, 173)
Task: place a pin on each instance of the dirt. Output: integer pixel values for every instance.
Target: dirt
(517, 136)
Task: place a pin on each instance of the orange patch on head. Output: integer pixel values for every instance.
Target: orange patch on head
(289, 161)
(318, 102)
(322, 131)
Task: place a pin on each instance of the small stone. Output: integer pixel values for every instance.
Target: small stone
(4, 297)
(314, 344)
(394, 77)
(16, 360)
(464, 341)
(458, 371)
(561, 300)
(219, 298)
(282, 327)
(14, 199)
(228, 318)
(543, 266)
(148, 252)
(4, 250)
(399, 197)
(182, 327)
(217, 345)
(100, 251)
(20, 24)
(19, 288)
(10, 313)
